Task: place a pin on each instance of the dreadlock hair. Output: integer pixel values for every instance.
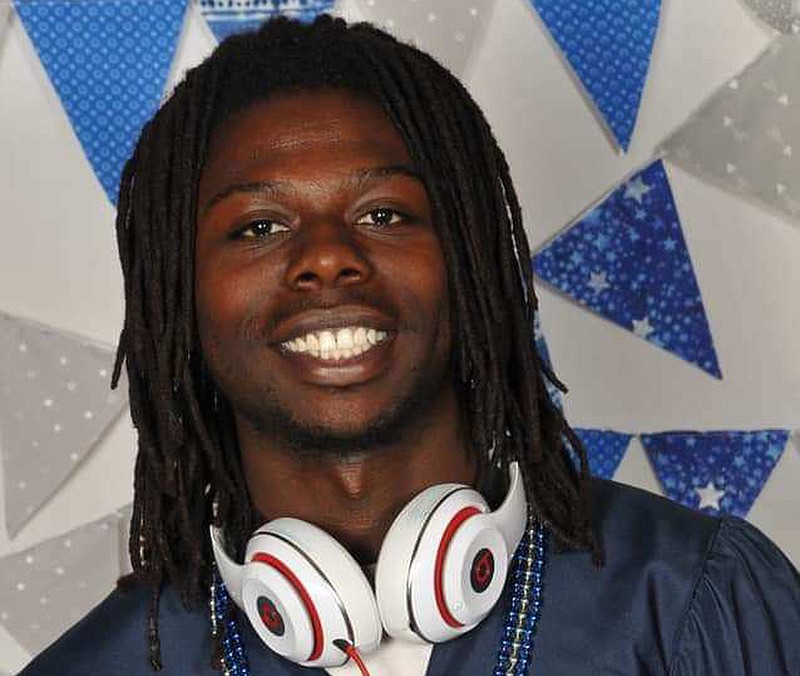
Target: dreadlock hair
(188, 459)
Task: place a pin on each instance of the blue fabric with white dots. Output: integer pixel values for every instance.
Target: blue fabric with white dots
(108, 61)
(608, 44)
(730, 467)
(627, 260)
(226, 17)
(605, 450)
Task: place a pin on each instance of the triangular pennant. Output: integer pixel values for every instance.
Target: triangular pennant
(108, 61)
(47, 588)
(608, 45)
(715, 471)
(225, 18)
(626, 259)
(747, 136)
(605, 449)
(55, 403)
(450, 30)
(782, 15)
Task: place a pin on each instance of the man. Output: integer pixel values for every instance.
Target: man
(329, 310)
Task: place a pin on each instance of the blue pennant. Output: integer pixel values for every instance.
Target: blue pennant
(716, 472)
(108, 60)
(605, 449)
(627, 260)
(226, 17)
(544, 354)
(608, 44)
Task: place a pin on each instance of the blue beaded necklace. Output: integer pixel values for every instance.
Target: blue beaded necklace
(516, 644)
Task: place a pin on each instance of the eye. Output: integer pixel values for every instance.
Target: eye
(263, 227)
(380, 217)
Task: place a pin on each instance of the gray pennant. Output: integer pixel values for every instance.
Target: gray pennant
(747, 136)
(782, 15)
(47, 588)
(449, 29)
(55, 404)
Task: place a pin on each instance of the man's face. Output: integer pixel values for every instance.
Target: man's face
(320, 285)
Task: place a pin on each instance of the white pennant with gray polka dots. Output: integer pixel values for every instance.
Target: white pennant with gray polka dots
(47, 588)
(449, 29)
(55, 404)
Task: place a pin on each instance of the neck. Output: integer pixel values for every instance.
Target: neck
(356, 497)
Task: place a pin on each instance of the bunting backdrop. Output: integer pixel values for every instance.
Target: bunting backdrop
(656, 151)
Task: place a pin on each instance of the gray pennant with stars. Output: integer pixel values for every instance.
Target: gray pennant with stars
(747, 136)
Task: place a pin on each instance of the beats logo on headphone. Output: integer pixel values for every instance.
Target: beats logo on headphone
(441, 570)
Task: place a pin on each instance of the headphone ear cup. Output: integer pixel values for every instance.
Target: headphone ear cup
(302, 590)
(442, 566)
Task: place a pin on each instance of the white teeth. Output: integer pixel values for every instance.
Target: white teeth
(343, 343)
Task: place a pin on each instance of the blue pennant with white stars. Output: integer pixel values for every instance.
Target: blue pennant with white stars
(226, 17)
(605, 449)
(627, 260)
(715, 472)
(608, 44)
(109, 62)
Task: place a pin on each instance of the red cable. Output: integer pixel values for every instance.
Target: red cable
(352, 652)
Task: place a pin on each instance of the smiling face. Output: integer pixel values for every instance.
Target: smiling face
(320, 284)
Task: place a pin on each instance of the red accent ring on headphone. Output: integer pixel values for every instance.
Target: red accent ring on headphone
(438, 571)
(316, 623)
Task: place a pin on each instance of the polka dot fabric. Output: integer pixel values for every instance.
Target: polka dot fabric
(108, 60)
(55, 403)
(724, 471)
(608, 44)
(47, 588)
(782, 15)
(605, 449)
(627, 260)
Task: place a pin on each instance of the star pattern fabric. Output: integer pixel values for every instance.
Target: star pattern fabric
(55, 404)
(544, 354)
(626, 259)
(608, 44)
(605, 449)
(746, 138)
(450, 30)
(108, 62)
(50, 586)
(226, 17)
(705, 469)
(782, 15)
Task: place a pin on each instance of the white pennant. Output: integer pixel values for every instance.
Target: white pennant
(47, 588)
(55, 404)
(450, 30)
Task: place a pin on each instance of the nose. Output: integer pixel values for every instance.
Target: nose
(326, 255)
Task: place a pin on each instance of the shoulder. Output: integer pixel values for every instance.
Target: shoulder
(670, 576)
(112, 638)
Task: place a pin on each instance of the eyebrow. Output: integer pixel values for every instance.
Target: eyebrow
(354, 181)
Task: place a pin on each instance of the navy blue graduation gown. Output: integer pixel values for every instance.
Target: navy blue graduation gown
(680, 594)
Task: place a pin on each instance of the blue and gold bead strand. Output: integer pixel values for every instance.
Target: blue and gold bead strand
(234, 658)
(516, 644)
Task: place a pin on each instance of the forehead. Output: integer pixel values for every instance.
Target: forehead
(304, 124)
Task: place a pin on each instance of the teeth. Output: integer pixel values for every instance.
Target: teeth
(344, 343)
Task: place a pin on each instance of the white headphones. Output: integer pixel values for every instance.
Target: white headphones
(441, 569)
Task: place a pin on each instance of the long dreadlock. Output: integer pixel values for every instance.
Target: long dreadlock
(188, 457)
